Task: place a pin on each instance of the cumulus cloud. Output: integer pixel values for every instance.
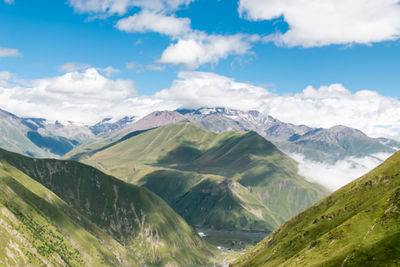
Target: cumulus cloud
(334, 176)
(147, 21)
(10, 2)
(9, 52)
(73, 66)
(319, 23)
(202, 89)
(84, 96)
(199, 48)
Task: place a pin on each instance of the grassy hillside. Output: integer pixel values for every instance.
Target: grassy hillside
(230, 181)
(134, 222)
(358, 225)
(38, 228)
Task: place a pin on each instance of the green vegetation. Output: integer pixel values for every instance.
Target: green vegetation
(231, 181)
(63, 212)
(358, 225)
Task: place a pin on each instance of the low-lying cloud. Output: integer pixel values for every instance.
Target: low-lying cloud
(334, 176)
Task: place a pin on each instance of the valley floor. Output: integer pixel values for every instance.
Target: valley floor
(231, 244)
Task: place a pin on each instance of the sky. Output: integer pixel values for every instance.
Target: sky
(314, 62)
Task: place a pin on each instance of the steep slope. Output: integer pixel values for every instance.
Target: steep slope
(38, 228)
(231, 181)
(140, 221)
(358, 225)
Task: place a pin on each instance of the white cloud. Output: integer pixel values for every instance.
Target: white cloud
(146, 21)
(83, 96)
(324, 22)
(121, 7)
(334, 176)
(109, 71)
(9, 52)
(73, 66)
(201, 89)
(199, 48)
(10, 2)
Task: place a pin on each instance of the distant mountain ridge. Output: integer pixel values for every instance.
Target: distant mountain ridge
(317, 144)
(41, 138)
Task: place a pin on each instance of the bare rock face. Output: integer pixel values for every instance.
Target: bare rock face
(156, 119)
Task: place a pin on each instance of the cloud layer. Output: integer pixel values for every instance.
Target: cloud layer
(339, 174)
(88, 96)
(319, 23)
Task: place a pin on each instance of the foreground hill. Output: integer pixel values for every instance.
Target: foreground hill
(231, 181)
(66, 213)
(358, 225)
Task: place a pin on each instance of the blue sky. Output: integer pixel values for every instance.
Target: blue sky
(317, 63)
(50, 33)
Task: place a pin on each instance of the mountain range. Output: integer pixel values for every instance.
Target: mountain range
(41, 138)
(316, 144)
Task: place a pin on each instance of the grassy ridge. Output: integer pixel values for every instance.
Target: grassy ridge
(140, 221)
(229, 181)
(358, 225)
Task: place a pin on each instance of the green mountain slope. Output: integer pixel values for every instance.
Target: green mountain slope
(230, 181)
(38, 228)
(134, 222)
(358, 225)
